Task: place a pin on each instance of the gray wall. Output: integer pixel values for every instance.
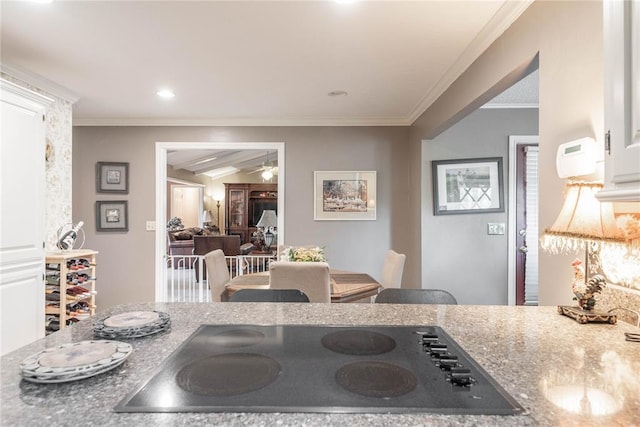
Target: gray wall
(457, 253)
(126, 260)
(566, 36)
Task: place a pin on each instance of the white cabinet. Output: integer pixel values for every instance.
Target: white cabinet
(22, 183)
(622, 100)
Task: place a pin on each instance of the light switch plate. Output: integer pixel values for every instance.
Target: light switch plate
(151, 226)
(495, 228)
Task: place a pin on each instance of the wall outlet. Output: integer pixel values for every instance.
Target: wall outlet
(151, 226)
(495, 228)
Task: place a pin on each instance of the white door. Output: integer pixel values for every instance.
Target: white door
(187, 204)
(22, 169)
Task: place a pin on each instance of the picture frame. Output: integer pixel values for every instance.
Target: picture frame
(112, 215)
(463, 186)
(344, 195)
(112, 177)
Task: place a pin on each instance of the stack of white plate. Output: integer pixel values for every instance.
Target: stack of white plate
(134, 324)
(74, 361)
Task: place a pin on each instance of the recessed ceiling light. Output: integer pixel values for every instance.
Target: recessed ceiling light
(338, 93)
(165, 93)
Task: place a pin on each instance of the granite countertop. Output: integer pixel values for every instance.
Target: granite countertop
(536, 355)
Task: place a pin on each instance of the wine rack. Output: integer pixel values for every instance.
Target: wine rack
(70, 291)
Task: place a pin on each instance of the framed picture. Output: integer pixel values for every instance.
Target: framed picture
(344, 195)
(112, 215)
(467, 186)
(112, 177)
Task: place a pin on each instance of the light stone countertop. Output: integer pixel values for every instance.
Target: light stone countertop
(534, 353)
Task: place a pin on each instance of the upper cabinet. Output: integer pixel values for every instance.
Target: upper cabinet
(622, 100)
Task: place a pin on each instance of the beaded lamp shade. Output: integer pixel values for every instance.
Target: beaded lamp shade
(583, 222)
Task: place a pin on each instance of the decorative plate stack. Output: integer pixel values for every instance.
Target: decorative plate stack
(74, 361)
(134, 324)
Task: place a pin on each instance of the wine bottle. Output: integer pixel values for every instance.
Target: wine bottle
(69, 239)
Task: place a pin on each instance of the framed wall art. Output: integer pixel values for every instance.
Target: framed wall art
(112, 177)
(467, 186)
(112, 215)
(344, 195)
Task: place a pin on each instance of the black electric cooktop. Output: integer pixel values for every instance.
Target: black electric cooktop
(335, 369)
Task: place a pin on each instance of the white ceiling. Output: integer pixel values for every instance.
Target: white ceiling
(250, 63)
(219, 163)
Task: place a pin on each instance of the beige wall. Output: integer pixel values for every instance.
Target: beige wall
(126, 260)
(568, 38)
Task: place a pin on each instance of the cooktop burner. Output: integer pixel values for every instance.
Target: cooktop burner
(301, 368)
(358, 342)
(376, 379)
(228, 374)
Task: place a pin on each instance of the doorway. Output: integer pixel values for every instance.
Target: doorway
(523, 221)
(161, 195)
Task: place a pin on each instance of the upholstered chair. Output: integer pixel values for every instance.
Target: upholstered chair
(217, 273)
(392, 269)
(312, 278)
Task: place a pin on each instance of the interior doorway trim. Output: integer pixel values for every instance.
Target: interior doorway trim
(514, 141)
(161, 194)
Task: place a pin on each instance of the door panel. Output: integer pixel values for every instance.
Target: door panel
(526, 216)
(21, 216)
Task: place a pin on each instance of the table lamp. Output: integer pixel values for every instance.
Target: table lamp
(206, 218)
(583, 223)
(268, 221)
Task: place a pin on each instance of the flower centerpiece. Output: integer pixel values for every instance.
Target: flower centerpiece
(303, 254)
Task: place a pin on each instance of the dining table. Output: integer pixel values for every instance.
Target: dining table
(346, 286)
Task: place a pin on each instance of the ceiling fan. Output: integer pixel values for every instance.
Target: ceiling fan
(269, 169)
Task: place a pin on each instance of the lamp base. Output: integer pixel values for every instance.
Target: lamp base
(584, 316)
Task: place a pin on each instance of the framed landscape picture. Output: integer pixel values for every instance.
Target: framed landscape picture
(467, 186)
(344, 195)
(112, 216)
(112, 177)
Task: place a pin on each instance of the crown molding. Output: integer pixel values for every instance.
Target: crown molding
(504, 17)
(34, 98)
(39, 82)
(382, 121)
(505, 105)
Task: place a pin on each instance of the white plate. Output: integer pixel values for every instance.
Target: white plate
(133, 318)
(68, 378)
(72, 361)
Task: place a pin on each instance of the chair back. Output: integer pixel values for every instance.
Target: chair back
(312, 278)
(415, 296)
(217, 273)
(392, 269)
(268, 295)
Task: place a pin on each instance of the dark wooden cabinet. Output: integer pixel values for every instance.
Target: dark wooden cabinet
(244, 206)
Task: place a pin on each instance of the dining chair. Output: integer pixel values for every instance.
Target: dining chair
(392, 269)
(415, 296)
(217, 273)
(269, 295)
(229, 244)
(312, 278)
